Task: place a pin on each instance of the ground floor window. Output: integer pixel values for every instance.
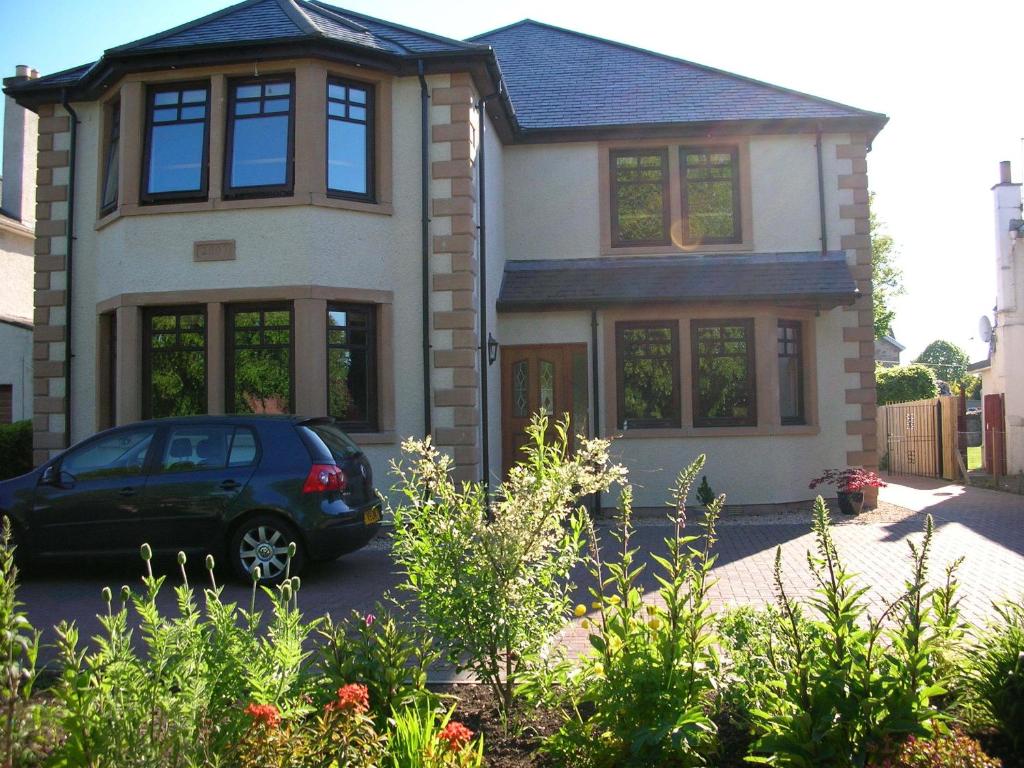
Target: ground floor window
(260, 359)
(352, 366)
(6, 403)
(647, 358)
(724, 390)
(174, 362)
(791, 372)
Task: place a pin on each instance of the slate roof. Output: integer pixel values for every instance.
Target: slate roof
(558, 78)
(554, 284)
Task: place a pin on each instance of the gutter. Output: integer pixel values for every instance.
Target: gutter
(425, 241)
(596, 387)
(68, 261)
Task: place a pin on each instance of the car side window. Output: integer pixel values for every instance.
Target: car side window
(191, 448)
(117, 455)
(243, 448)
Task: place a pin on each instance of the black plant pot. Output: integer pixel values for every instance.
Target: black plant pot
(850, 502)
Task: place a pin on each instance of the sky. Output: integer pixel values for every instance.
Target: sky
(947, 74)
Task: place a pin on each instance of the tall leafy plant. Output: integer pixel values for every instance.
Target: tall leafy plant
(491, 576)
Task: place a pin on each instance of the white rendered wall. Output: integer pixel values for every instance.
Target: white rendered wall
(16, 367)
(17, 264)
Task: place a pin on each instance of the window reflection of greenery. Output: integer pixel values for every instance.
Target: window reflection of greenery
(723, 383)
(710, 196)
(640, 197)
(177, 364)
(262, 373)
(647, 374)
(349, 364)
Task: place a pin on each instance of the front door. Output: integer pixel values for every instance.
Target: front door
(550, 379)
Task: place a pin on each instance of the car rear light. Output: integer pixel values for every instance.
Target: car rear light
(325, 477)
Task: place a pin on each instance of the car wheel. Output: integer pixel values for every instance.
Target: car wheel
(263, 540)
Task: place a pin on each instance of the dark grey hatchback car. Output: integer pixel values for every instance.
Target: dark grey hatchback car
(240, 486)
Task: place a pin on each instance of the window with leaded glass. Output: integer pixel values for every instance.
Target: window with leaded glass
(174, 362)
(647, 358)
(260, 137)
(639, 190)
(724, 390)
(791, 372)
(349, 139)
(352, 366)
(177, 128)
(260, 359)
(111, 161)
(710, 192)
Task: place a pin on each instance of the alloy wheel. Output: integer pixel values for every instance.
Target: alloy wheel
(265, 546)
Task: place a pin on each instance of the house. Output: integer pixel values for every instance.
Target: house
(1002, 373)
(287, 206)
(17, 223)
(887, 351)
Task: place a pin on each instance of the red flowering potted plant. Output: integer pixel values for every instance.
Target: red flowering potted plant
(850, 484)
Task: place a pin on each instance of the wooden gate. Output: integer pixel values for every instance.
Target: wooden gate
(912, 437)
(995, 435)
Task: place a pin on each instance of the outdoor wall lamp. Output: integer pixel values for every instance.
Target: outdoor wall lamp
(492, 349)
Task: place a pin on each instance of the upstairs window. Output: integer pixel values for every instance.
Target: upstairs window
(640, 198)
(648, 374)
(260, 137)
(711, 199)
(349, 139)
(352, 366)
(791, 372)
(724, 391)
(112, 159)
(177, 131)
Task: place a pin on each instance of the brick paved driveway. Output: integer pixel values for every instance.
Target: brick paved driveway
(986, 527)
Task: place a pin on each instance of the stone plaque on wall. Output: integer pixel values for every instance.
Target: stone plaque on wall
(213, 250)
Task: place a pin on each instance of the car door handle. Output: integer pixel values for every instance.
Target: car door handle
(127, 492)
(230, 485)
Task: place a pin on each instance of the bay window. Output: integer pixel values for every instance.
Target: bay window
(174, 362)
(260, 359)
(352, 366)
(349, 139)
(260, 140)
(177, 133)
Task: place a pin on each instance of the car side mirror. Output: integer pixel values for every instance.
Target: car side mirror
(51, 476)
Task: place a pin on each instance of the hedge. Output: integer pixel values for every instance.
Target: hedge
(15, 449)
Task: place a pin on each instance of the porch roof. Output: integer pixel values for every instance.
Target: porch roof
(807, 279)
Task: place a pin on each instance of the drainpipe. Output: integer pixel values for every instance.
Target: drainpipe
(595, 386)
(425, 241)
(69, 287)
(485, 442)
(821, 194)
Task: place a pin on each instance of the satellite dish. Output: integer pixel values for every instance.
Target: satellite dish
(985, 329)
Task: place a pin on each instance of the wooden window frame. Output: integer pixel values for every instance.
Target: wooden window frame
(675, 420)
(371, 424)
(737, 220)
(7, 393)
(230, 310)
(202, 193)
(287, 189)
(370, 196)
(751, 340)
(666, 190)
(148, 314)
(800, 419)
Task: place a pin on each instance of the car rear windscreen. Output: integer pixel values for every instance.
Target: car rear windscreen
(334, 440)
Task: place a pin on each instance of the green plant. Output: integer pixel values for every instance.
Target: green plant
(957, 750)
(15, 449)
(176, 700)
(491, 577)
(839, 695)
(642, 696)
(390, 658)
(993, 676)
(904, 383)
(420, 739)
(704, 493)
(26, 723)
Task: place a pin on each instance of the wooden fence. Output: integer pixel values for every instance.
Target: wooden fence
(920, 437)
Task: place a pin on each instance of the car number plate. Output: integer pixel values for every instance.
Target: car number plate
(371, 516)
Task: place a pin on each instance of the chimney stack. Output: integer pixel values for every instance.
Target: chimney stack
(1004, 172)
(20, 140)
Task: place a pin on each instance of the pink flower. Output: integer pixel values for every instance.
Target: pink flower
(370, 618)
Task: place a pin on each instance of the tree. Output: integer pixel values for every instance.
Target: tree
(947, 360)
(904, 383)
(886, 276)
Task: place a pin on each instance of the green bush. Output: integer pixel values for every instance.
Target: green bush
(904, 383)
(957, 750)
(421, 739)
(994, 674)
(15, 449)
(646, 685)
(491, 576)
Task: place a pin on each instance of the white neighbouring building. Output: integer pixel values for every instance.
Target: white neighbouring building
(17, 234)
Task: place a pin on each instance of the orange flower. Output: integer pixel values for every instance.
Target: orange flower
(353, 697)
(456, 734)
(265, 714)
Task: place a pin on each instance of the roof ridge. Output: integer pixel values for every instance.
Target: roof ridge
(338, 15)
(678, 60)
(295, 12)
(424, 33)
